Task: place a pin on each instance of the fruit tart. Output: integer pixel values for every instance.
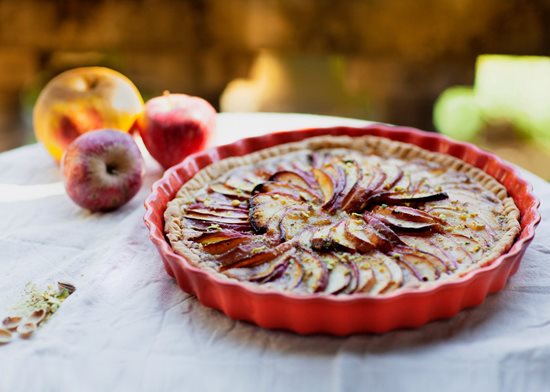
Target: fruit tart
(337, 215)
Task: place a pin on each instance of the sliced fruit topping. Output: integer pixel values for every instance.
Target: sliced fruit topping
(320, 238)
(338, 238)
(339, 278)
(338, 176)
(398, 198)
(216, 218)
(424, 266)
(263, 273)
(366, 279)
(393, 175)
(405, 218)
(363, 190)
(292, 275)
(264, 205)
(363, 237)
(223, 189)
(377, 274)
(285, 188)
(383, 237)
(294, 222)
(315, 271)
(218, 236)
(230, 213)
(290, 177)
(217, 248)
(218, 200)
(326, 184)
(214, 226)
(251, 254)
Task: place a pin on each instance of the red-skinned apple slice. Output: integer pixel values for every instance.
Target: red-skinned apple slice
(290, 177)
(382, 279)
(326, 184)
(239, 183)
(315, 272)
(320, 238)
(385, 238)
(273, 228)
(224, 246)
(364, 189)
(355, 278)
(221, 201)
(292, 275)
(264, 205)
(262, 273)
(339, 239)
(251, 254)
(354, 175)
(360, 234)
(223, 189)
(366, 279)
(216, 218)
(338, 279)
(424, 266)
(218, 236)
(294, 222)
(393, 175)
(209, 226)
(399, 198)
(218, 212)
(402, 221)
(285, 188)
(338, 177)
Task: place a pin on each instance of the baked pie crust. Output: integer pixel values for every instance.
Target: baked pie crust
(339, 215)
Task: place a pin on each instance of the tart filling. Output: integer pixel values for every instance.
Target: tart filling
(341, 215)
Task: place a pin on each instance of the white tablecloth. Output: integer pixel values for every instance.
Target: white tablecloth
(128, 327)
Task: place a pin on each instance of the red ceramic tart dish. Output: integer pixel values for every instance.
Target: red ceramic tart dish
(359, 293)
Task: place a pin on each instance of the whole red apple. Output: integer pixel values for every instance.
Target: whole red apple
(173, 126)
(82, 100)
(102, 169)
